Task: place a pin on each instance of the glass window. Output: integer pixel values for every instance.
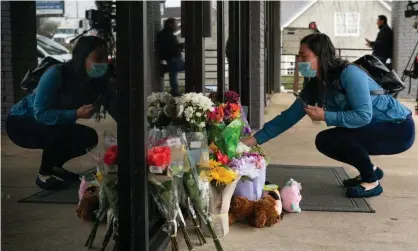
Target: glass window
(347, 24)
(50, 46)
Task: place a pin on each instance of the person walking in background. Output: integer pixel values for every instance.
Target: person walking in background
(313, 26)
(383, 45)
(169, 49)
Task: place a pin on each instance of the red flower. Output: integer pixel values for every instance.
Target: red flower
(222, 158)
(111, 155)
(231, 96)
(159, 156)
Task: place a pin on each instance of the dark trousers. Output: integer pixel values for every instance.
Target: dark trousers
(174, 66)
(354, 146)
(59, 143)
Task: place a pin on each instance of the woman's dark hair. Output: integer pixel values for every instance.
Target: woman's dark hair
(321, 45)
(85, 45)
(383, 18)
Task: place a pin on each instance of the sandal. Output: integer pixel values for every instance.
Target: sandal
(357, 180)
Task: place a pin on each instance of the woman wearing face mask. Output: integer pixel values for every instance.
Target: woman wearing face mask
(47, 118)
(365, 124)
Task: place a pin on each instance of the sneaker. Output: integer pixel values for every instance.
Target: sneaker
(361, 192)
(48, 182)
(65, 174)
(357, 180)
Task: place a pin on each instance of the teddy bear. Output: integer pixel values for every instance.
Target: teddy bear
(88, 204)
(259, 213)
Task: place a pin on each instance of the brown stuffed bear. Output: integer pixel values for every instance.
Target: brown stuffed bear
(88, 204)
(258, 213)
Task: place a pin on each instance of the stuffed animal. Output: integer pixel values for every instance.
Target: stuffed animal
(273, 191)
(84, 184)
(291, 196)
(258, 213)
(88, 204)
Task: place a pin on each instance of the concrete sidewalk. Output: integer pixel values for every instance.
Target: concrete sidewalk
(394, 226)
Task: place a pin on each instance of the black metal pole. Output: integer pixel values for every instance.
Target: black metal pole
(132, 78)
(220, 50)
(235, 37)
(199, 46)
(276, 42)
(244, 27)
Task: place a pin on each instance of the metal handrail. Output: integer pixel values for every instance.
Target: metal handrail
(214, 62)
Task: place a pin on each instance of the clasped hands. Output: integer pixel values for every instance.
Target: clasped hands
(315, 113)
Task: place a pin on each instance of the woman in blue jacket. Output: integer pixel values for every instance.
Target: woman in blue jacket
(47, 118)
(364, 124)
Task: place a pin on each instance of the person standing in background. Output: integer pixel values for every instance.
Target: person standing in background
(383, 45)
(169, 49)
(313, 26)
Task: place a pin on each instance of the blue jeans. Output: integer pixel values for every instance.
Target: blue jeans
(354, 146)
(175, 66)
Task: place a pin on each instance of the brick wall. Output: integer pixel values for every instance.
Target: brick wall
(405, 38)
(18, 50)
(257, 63)
(7, 93)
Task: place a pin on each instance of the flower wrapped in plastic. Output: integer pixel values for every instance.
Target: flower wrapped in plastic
(165, 189)
(107, 182)
(191, 111)
(223, 181)
(252, 167)
(198, 189)
(161, 108)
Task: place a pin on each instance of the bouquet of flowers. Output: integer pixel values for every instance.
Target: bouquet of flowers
(233, 97)
(106, 178)
(222, 180)
(166, 161)
(252, 167)
(196, 187)
(161, 108)
(191, 111)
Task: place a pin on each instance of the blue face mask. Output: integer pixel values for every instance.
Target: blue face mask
(97, 70)
(306, 70)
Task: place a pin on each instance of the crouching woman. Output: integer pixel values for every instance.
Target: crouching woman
(364, 124)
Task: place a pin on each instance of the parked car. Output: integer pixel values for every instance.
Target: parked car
(47, 47)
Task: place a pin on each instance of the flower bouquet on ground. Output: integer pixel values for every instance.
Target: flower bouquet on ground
(166, 166)
(198, 191)
(161, 109)
(106, 178)
(223, 181)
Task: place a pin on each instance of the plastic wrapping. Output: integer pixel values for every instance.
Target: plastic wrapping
(165, 187)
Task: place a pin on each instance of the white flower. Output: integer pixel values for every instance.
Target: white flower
(242, 148)
(198, 114)
(188, 112)
(202, 124)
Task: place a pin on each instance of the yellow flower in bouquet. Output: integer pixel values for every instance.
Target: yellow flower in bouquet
(213, 147)
(217, 172)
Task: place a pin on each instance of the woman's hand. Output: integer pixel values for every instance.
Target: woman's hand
(315, 113)
(85, 111)
(250, 141)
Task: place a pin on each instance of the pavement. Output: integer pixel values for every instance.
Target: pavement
(394, 226)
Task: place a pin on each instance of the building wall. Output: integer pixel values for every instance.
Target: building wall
(18, 55)
(322, 12)
(7, 90)
(257, 26)
(405, 39)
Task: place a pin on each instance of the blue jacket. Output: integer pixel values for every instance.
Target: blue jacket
(355, 108)
(59, 94)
